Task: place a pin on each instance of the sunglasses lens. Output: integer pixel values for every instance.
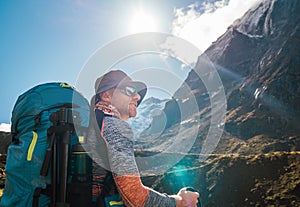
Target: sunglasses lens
(129, 90)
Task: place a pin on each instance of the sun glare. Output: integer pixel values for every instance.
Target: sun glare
(142, 22)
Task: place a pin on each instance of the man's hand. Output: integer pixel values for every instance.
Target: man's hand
(185, 198)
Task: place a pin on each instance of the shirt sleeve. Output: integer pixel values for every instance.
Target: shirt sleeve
(119, 137)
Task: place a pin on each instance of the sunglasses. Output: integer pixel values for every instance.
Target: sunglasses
(128, 90)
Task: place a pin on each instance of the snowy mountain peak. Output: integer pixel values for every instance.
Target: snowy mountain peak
(146, 111)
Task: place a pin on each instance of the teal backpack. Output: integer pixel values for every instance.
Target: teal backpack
(46, 162)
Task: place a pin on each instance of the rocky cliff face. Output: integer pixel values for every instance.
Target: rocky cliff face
(267, 101)
(258, 60)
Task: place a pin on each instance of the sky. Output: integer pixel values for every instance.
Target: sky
(52, 41)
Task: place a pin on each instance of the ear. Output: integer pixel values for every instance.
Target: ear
(106, 96)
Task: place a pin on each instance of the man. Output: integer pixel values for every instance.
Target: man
(117, 98)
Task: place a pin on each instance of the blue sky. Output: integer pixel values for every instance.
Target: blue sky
(43, 41)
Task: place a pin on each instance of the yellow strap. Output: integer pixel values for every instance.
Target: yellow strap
(65, 85)
(32, 145)
(81, 139)
(112, 203)
(79, 153)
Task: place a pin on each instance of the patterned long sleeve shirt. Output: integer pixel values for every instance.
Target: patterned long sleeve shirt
(120, 142)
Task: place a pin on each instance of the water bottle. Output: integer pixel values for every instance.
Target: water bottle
(81, 174)
(80, 163)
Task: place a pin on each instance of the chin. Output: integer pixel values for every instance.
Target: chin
(133, 114)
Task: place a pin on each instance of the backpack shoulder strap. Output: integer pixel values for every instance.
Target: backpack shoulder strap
(99, 118)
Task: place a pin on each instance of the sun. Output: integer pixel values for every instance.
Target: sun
(142, 22)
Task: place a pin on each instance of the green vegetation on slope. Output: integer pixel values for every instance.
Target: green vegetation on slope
(271, 179)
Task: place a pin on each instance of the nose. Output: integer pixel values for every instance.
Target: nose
(137, 97)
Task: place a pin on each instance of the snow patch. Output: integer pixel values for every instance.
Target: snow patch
(259, 92)
(4, 127)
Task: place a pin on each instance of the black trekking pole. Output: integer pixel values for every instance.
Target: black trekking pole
(64, 155)
(76, 191)
(63, 128)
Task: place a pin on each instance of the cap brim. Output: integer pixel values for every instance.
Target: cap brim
(141, 88)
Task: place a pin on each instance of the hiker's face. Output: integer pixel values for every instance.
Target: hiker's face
(125, 104)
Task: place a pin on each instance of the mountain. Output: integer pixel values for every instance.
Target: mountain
(147, 110)
(257, 59)
(267, 102)
(254, 161)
